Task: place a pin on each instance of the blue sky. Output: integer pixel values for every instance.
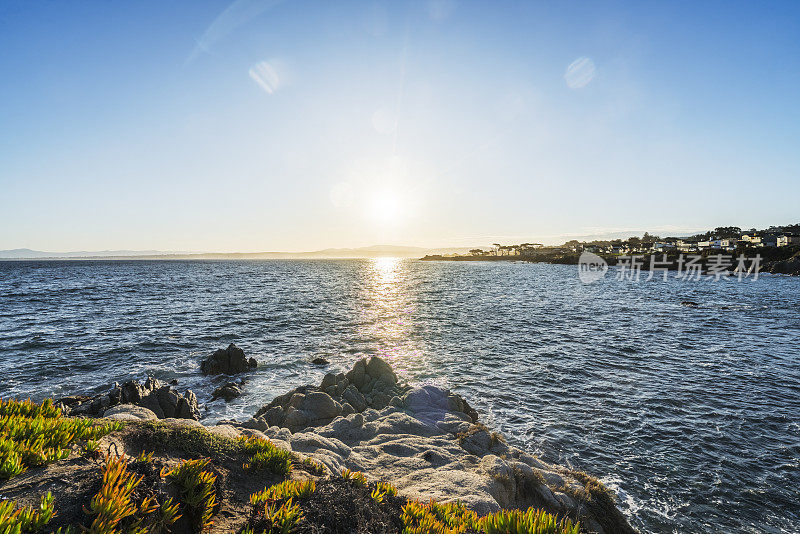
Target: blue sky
(265, 125)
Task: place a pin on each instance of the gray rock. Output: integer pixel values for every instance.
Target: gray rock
(229, 391)
(227, 361)
(328, 381)
(320, 406)
(355, 398)
(378, 368)
(129, 412)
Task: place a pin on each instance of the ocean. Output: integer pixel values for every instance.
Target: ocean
(682, 396)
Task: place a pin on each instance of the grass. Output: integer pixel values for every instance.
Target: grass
(15, 520)
(454, 518)
(33, 435)
(265, 455)
(197, 491)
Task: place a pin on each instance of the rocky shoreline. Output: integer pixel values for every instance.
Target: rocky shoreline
(426, 441)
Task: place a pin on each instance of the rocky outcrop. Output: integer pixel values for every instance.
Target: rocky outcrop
(790, 266)
(228, 361)
(428, 442)
(154, 395)
(369, 385)
(228, 391)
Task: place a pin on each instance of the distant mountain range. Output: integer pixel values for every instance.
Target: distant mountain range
(376, 251)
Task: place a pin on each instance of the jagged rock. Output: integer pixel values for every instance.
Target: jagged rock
(228, 361)
(229, 391)
(129, 412)
(320, 361)
(154, 395)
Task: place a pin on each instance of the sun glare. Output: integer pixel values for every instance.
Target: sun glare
(385, 206)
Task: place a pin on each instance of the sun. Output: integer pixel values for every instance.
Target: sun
(385, 206)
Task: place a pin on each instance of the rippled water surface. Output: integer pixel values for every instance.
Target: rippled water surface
(692, 414)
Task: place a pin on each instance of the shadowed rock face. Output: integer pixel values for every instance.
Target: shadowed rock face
(369, 385)
(156, 396)
(228, 361)
(428, 442)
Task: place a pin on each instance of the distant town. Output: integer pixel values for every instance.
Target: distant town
(779, 245)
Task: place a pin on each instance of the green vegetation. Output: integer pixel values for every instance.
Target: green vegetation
(114, 508)
(191, 441)
(312, 466)
(382, 490)
(454, 518)
(288, 489)
(273, 516)
(197, 492)
(15, 520)
(267, 456)
(354, 478)
(32, 435)
(282, 519)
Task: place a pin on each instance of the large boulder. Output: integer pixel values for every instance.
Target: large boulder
(228, 361)
(129, 412)
(371, 384)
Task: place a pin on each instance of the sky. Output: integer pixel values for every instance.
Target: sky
(265, 125)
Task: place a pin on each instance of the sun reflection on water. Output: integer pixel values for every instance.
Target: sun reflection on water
(390, 323)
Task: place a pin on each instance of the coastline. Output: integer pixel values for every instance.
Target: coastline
(789, 266)
(426, 441)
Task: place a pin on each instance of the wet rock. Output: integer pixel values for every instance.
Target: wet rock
(156, 396)
(229, 391)
(228, 361)
(320, 361)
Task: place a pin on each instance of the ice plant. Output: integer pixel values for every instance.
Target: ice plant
(33, 435)
(267, 456)
(28, 519)
(197, 491)
(288, 489)
(355, 478)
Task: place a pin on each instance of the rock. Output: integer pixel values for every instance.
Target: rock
(328, 381)
(129, 412)
(256, 423)
(224, 431)
(347, 409)
(183, 422)
(425, 440)
(380, 370)
(274, 416)
(227, 361)
(320, 361)
(357, 374)
(320, 406)
(354, 397)
(228, 392)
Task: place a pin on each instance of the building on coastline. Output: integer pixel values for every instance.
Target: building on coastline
(753, 239)
(787, 240)
(663, 247)
(686, 246)
(724, 244)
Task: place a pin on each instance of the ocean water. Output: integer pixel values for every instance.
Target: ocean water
(691, 414)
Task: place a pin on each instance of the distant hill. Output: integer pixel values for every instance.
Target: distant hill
(375, 251)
